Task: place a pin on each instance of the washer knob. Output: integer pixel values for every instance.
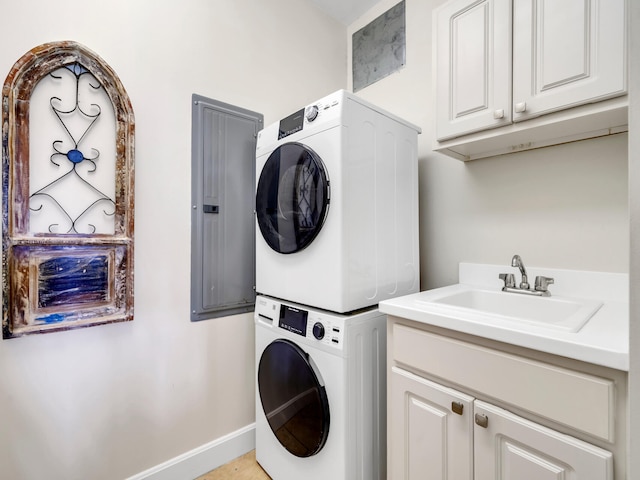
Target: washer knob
(318, 331)
(311, 113)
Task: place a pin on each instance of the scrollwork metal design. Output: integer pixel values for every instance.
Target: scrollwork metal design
(76, 123)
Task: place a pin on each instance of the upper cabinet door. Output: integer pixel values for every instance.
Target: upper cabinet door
(566, 53)
(472, 66)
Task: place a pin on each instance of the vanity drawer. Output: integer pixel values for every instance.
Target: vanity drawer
(577, 400)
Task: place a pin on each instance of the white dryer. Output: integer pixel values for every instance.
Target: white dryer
(337, 206)
(320, 392)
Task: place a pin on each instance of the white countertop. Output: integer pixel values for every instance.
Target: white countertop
(603, 340)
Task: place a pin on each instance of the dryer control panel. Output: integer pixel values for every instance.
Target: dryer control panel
(318, 112)
(291, 124)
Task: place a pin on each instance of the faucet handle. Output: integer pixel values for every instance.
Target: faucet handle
(542, 283)
(509, 279)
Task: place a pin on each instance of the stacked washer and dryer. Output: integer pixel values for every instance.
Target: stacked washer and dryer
(337, 211)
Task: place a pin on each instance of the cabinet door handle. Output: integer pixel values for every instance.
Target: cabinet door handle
(482, 420)
(457, 407)
(521, 107)
(498, 114)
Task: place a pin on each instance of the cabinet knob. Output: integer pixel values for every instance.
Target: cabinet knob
(520, 107)
(498, 114)
(482, 420)
(457, 407)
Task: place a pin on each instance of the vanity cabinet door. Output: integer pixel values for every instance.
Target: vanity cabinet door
(566, 53)
(430, 430)
(508, 447)
(472, 66)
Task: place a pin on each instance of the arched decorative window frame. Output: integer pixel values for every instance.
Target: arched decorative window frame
(22, 251)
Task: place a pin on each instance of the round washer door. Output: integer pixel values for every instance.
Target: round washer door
(292, 198)
(293, 399)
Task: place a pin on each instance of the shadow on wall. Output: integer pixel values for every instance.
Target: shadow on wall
(562, 206)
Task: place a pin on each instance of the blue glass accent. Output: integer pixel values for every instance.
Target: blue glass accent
(73, 280)
(53, 318)
(77, 69)
(75, 156)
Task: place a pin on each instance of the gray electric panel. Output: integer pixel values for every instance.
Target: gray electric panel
(223, 146)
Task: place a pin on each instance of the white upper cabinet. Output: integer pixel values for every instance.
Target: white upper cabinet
(501, 62)
(566, 53)
(473, 66)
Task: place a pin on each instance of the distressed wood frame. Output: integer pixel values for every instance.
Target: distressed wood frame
(23, 253)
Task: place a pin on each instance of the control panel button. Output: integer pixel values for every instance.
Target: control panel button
(311, 113)
(318, 331)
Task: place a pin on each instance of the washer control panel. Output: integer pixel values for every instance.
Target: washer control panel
(315, 326)
(327, 329)
(294, 320)
(318, 331)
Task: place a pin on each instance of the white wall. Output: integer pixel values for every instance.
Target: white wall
(634, 274)
(108, 402)
(560, 207)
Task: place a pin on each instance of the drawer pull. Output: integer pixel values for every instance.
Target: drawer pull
(457, 407)
(482, 420)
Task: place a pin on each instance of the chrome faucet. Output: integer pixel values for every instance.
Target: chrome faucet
(517, 262)
(541, 284)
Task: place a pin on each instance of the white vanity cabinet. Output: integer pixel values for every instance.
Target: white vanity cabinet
(430, 430)
(508, 447)
(501, 63)
(461, 410)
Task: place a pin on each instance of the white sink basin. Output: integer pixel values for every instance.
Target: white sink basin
(567, 314)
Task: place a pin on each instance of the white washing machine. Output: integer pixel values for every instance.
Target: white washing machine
(320, 392)
(337, 206)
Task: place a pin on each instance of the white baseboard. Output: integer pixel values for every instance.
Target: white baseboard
(203, 459)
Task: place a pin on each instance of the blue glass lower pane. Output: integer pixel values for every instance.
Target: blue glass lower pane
(73, 281)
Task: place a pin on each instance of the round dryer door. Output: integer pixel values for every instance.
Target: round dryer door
(292, 198)
(293, 399)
